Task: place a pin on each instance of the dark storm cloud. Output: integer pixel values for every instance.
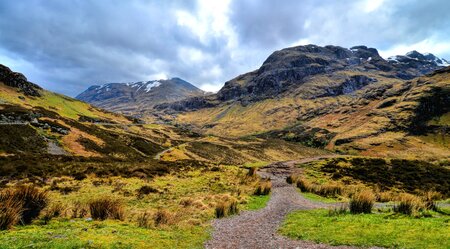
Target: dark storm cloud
(66, 46)
(273, 23)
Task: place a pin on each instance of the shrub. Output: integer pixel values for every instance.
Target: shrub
(408, 204)
(362, 202)
(263, 188)
(226, 208)
(163, 217)
(10, 212)
(106, 208)
(32, 201)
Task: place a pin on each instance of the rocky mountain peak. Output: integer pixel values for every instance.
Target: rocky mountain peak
(365, 52)
(415, 57)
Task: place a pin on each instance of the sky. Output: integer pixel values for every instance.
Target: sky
(67, 46)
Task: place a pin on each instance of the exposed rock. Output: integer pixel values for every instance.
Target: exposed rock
(350, 85)
(19, 81)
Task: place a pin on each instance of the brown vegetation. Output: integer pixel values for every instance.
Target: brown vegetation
(362, 202)
(264, 188)
(409, 204)
(107, 208)
(30, 199)
(10, 212)
(163, 217)
(226, 208)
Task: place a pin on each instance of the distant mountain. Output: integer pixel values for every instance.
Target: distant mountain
(138, 97)
(349, 100)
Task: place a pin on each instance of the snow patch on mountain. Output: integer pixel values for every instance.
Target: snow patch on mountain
(151, 85)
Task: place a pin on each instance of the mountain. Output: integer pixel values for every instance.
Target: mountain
(348, 100)
(42, 128)
(138, 97)
(312, 71)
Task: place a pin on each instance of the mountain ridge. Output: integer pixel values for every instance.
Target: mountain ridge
(289, 68)
(135, 98)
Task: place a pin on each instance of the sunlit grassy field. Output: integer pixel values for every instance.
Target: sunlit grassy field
(187, 196)
(382, 229)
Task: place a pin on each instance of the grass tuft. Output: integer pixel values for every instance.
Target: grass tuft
(163, 217)
(107, 208)
(251, 171)
(226, 208)
(342, 209)
(362, 202)
(10, 212)
(409, 204)
(31, 199)
(264, 188)
(144, 220)
(54, 210)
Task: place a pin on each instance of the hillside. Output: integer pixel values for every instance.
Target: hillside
(348, 100)
(38, 122)
(138, 97)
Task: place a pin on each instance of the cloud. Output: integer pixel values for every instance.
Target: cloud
(66, 46)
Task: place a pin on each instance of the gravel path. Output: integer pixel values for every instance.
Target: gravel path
(258, 229)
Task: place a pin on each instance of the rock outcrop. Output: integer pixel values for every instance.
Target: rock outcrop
(19, 81)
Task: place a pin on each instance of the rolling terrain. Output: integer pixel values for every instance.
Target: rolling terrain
(317, 138)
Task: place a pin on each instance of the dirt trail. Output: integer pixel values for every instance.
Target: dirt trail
(258, 229)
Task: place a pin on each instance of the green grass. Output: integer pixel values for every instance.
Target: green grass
(385, 230)
(257, 202)
(200, 187)
(318, 198)
(79, 233)
(256, 164)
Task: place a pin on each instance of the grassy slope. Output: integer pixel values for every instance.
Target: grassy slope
(252, 152)
(359, 120)
(380, 174)
(65, 106)
(385, 230)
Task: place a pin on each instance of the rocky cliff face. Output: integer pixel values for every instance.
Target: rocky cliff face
(138, 97)
(296, 70)
(289, 68)
(19, 81)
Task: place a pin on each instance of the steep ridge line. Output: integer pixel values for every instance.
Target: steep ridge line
(258, 229)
